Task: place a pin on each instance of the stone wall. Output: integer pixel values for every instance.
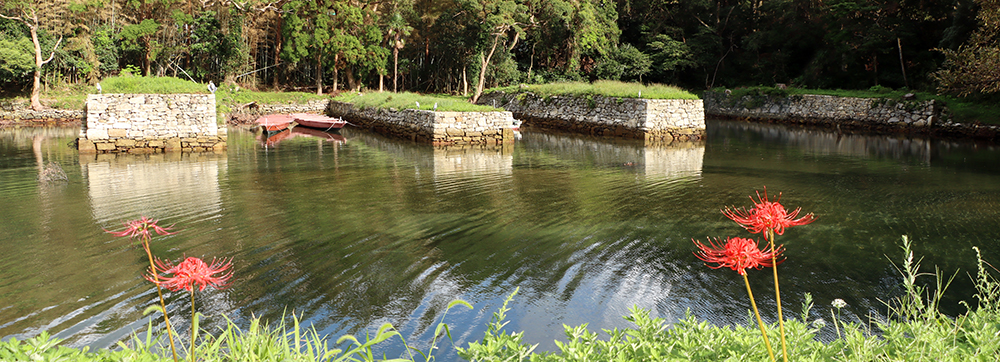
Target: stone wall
(650, 119)
(437, 128)
(14, 113)
(830, 110)
(150, 123)
(247, 113)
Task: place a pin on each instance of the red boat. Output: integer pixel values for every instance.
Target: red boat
(327, 136)
(274, 122)
(318, 121)
(271, 139)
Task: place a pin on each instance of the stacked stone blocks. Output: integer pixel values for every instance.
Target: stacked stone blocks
(151, 123)
(832, 110)
(437, 128)
(658, 120)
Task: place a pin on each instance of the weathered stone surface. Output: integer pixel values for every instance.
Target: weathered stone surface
(105, 146)
(97, 134)
(148, 121)
(602, 116)
(86, 146)
(829, 110)
(439, 128)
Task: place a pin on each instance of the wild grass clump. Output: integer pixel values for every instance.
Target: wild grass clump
(914, 331)
(605, 88)
(401, 101)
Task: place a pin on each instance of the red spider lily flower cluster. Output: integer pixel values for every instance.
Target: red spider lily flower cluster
(192, 272)
(767, 215)
(738, 254)
(140, 228)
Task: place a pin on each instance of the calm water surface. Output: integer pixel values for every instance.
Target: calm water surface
(354, 231)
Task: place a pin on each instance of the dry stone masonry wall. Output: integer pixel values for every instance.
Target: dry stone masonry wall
(660, 120)
(150, 123)
(438, 128)
(821, 109)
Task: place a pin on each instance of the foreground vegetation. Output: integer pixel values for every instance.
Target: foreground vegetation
(914, 331)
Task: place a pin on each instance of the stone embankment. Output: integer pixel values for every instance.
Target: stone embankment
(21, 114)
(247, 113)
(658, 120)
(150, 123)
(437, 128)
(847, 113)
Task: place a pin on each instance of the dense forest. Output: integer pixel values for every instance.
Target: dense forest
(462, 46)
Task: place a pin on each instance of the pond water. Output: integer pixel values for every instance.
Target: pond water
(354, 231)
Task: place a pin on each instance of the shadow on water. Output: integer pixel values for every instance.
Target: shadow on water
(354, 230)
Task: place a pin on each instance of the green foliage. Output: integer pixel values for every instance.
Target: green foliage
(498, 345)
(401, 101)
(162, 85)
(131, 34)
(17, 59)
(216, 53)
(627, 63)
(602, 88)
(917, 332)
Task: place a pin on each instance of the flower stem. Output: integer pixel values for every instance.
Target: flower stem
(192, 323)
(777, 296)
(159, 293)
(760, 323)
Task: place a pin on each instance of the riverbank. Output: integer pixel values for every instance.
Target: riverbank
(891, 114)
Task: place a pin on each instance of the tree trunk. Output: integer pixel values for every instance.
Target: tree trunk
(352, 83)
(485, 61)
(465, 84)
(395, 65)
(36, 84)
(277, 55)
(336, 76)
(319, 75)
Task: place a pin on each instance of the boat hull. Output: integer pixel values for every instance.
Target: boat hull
(318, 121)
(274, 122)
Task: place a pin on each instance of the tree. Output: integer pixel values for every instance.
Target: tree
(398, 29)
(498, 20)
(27, 14)
(975, 66)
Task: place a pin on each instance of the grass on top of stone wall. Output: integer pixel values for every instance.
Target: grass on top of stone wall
(406, 100)
(605, 88)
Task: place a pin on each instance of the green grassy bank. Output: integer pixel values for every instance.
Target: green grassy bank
(605, 88)
(406, 100)
(914, 331)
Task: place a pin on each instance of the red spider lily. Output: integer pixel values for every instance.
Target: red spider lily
(140, 229)
(191, 272)
(767, 215)
(738, 254)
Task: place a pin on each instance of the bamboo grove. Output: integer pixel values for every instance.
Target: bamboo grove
(463, 46)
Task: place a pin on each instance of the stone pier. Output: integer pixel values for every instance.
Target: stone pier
(658, 120)
(151, 123)
(437, 128)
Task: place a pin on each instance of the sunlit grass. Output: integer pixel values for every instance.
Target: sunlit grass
(605, 88)
(401, 101)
